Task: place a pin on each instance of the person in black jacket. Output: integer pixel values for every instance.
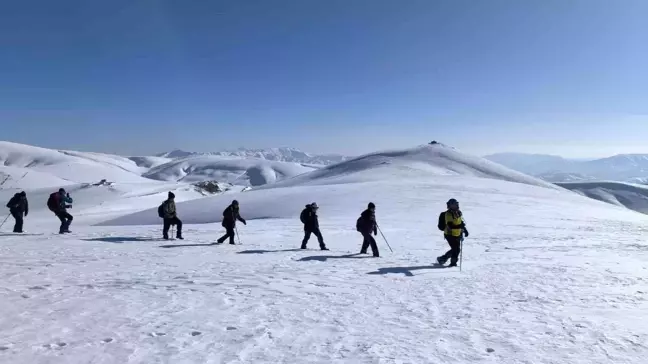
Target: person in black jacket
(367, 225)
(230, 215)
(18, 206)
(311, 225)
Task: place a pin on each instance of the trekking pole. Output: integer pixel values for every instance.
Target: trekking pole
(383, 236)
(461, 252)
(237, 235)
(173, 230)
(5, 220)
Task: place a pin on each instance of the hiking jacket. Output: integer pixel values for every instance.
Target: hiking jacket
(368, 222)
(18, 204)
(169, 209)
(230, 215)
(454, 223)
(309, 218)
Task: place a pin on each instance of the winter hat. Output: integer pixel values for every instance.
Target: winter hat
(371, 205)
(61, 190)
(452, 201)
(235, 203)
(23, 193)
(314, 205)
(171, 195)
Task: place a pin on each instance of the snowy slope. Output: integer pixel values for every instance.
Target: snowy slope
(26, 178)
(76, 167)
(149, 162)
(632, 196)
(238, 171)
(273, 154)
(548, 276)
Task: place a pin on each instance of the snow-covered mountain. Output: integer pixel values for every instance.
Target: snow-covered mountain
(272, 154)
(34, 167)
(623, 167)
(631, 196)
(542, 265)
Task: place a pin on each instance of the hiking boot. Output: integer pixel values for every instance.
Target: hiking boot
(324, 248)
(303, 247)
(179, 237)
(441, 261)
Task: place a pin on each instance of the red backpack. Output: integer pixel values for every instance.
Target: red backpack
(53, 202)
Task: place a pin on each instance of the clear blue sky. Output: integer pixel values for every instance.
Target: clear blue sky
(349, 76)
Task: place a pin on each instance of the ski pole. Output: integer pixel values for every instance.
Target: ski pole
(172, 230)
(461, 252)
(5, 220)
(237, 235)
(383, 236)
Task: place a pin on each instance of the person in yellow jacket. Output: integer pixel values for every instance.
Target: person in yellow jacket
(455, 229)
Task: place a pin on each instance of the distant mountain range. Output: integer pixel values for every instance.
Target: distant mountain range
(272, 154)
(623, 167)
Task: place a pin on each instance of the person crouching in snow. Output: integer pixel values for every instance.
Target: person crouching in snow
(366, 225)
(171, 217)
(311, 225)
(454, 230)
(230, 215)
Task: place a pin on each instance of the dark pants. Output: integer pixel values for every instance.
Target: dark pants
(229, 233)
(18, 215)
(167, 225)
(369, 241)
(66, 220)
(317, 233)
(455, 249)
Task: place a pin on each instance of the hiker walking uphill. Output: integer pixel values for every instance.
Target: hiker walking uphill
(168, 212)
(230, 215)
(18, 206)
(311, 225)
(454, 228)
(58, 203)
(367, 225)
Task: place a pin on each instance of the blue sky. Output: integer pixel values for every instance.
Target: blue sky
(141, 77)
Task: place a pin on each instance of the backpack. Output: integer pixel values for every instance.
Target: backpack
(161, 210)
(52, 203)
(302, 217)
(442, 221)
(359, 224)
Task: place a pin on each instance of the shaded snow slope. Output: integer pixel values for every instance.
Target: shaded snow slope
(149, 162)
(76, 167)
(548, 277)
(632, 196)
(26, 178)
(253, 172)
(420, 162)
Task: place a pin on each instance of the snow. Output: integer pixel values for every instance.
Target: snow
(282, 154)
(632, 196)
(548, 276)
(254, 172)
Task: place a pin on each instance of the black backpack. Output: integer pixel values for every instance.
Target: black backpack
(442, 221)
(51, 202)
(302, 217)
(161, 210)
(359, 223)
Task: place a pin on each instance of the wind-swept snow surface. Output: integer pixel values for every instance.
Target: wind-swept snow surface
(548, 276)
(632, 196)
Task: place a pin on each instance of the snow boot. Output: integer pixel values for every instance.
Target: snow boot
(179, 236)
(303, 246)
(441, 261)
(323, 248)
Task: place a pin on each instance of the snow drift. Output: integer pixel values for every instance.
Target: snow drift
(253, 172)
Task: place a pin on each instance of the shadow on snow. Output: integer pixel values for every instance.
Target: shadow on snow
(120, 239)
(267, 251)
(186, 245)
(323, 258)
(407, 271)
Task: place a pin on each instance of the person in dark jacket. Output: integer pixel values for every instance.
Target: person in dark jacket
(367, 225)
(311, 225)
(171, 217)
(453, 233)
(18, 206)
(230, 215)
(61, 203)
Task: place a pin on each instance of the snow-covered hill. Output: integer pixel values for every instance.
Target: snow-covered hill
(623, 167)
(548, 276)
(240, 171)
(632, 196)
(565, 177)
(272, 154)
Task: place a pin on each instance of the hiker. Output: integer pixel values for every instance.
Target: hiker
(170, 217)
(58, 204)
(230, 215)
(366, 225)
(311, 225)
(454, 229)
(18, 206)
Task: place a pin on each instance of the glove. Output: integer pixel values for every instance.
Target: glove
(244, 222)
(466, 233)
(26, 214)
(375, 232)
(68, 206)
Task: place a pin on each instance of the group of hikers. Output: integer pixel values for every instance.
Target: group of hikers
(451, 222)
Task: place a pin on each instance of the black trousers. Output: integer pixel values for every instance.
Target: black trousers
(369, 241)
(167, 225)
(317, 233)
(18, 216)
(229, 233)
(66, 220)
(455, 249)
